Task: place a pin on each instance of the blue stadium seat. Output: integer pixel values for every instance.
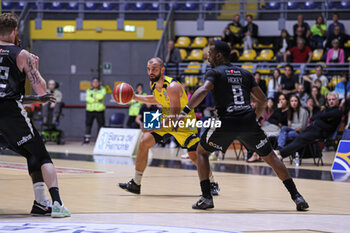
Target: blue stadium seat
(56, 5)
(90, 6)
(20, 5)
(117, 120)
(175, 6)
(7, 5)
(209, 6)
(72, 6)
(154, 6)
(273, 6)
(330, 5)
(292, 5)
(140, 6)
(108, 6)
(190, 6)
(309, 5)
(344, 5)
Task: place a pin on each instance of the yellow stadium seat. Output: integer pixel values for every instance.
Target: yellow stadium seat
(199, 42)
(217, 38)
(264, 71)
(235, 51)
(195, 55)
(317, 54)
(266, 55)
(264, 46)
(193, 68)
(347, 44)
(248, 55)
(183, 42)
(248, 66)
(267, 79)
(183, 53)
(334, 81)
(191, 81)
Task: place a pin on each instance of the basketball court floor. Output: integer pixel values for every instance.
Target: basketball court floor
(252, 198)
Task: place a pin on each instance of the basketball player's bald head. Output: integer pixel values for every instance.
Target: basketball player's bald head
(156, 60)
(155, 67)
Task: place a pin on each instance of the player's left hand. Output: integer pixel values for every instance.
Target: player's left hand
(46, 98)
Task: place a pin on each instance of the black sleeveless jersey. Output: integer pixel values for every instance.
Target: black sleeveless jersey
(232, 87)
(12, 80)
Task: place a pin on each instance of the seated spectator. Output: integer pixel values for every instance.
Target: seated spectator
(304, 27)
(322, 89)
(317, 75)
(319, 100)
(302, 95)
(234, 54)
(282, 45)
(54, 107)
(297, 122)
(273, 125)
(173, 55)
(311, 108)
(335, 23)
(268, 111)
(250, 33)
(343, 88)
(289, 82)
(336, 34)
(134, 108)
(300, 53)
(300, 35)
(273, 85)
(233, 32)
(211, 42)
(335, 54)
(144, 108)
(319, 32)
(324, 124)
(260, 82)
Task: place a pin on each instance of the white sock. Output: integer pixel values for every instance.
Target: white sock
(39, 192)
(138, 177)
(212, 179)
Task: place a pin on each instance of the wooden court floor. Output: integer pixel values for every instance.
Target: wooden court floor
(249, 203)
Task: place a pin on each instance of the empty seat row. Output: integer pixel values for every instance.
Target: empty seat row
(307, 5)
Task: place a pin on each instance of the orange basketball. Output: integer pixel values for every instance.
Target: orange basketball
(122, 93)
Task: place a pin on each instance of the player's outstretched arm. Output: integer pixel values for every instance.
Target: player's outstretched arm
(30, 99)
(199, 95)
(147, 99)
(261, 100)
(26, 62)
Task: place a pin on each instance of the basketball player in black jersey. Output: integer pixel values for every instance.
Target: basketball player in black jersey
(232, 87)
(15, 126)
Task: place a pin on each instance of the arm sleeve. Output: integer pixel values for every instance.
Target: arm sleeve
(210, 75)
(89, 97)
(101, 94)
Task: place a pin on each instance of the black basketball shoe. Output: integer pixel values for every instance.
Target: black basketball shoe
(131, 186)
(41, 209)
(203, 204)
(214, 188)
(300, 202)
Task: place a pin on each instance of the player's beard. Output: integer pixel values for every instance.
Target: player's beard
(156, 78)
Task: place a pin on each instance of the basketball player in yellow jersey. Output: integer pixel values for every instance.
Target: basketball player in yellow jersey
(172, 96)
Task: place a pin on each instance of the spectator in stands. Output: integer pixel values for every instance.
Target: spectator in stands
(317, 75)
(273, 85)
(300, 35)
(319, 32)
(300, 53)
(322, 89)
(324, 124)
(95, 107)
(234, 54)
(55, 107)
(319, 100)
(302, 95)
(233, 32)
(173, 56)
(279, 118)
(343, 88)
(311, 107)
(297, 122)
(336, 34)
(211, 42)
(305, 28)
(282, 45)
(268, 111)
(260, 82)
(144, 108)
(135, 108)
(335, 23)
(250, 33)
(289, 82)
(335, 54)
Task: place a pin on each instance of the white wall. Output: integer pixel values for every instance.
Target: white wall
(215, 28)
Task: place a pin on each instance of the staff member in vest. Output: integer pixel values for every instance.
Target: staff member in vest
(134, 108)
(95, 107)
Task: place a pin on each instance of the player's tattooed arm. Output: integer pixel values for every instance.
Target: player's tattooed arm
(31, 70)
(260, 99)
